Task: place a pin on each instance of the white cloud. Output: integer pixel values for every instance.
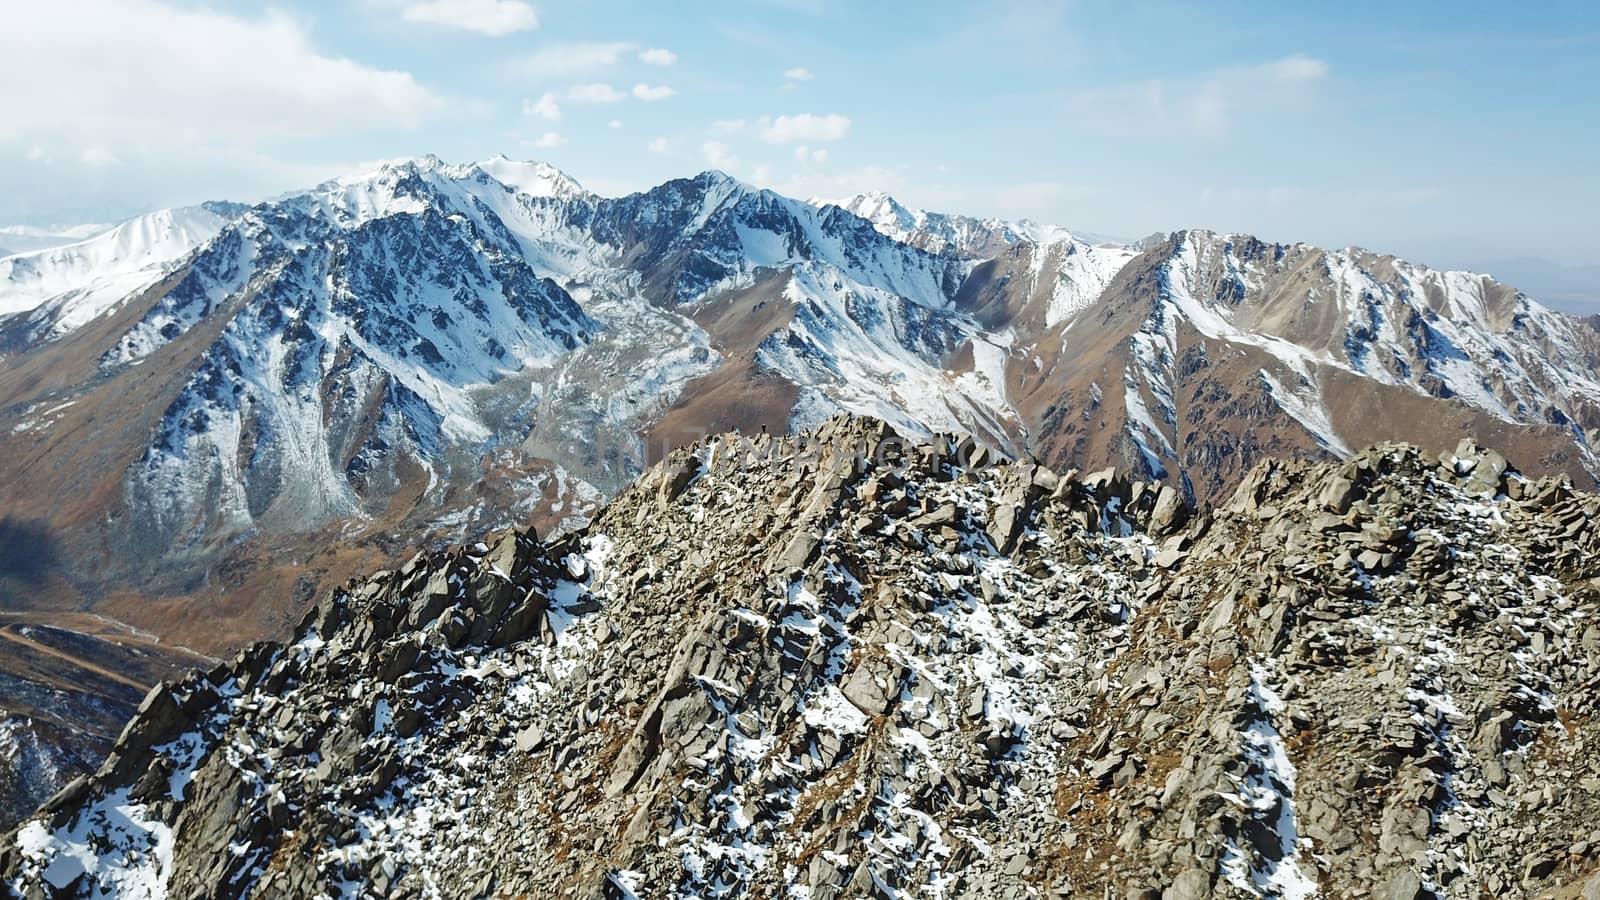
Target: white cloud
(719, 156)
(659, 145)
(805, 154)
(1297, 68)
(1199, 106)
(99, 158)
(495, 18)
(651, 94)
(569, 60)
(727, 126)
(804, 127)
(657, 56)
(548, 141)
(798, 73)
(545, 107)
(594, 93)
(614, 123)
(243, 82)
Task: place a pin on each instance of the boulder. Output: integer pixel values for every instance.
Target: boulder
(1170, 511)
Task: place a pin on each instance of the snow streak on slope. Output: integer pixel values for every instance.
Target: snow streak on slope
(1266, 794)
(1307, 409)
(1078, 273)
(360, 323)
(865, 350)
(1450, 335)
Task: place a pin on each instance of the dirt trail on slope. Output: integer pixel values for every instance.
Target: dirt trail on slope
(46, 649)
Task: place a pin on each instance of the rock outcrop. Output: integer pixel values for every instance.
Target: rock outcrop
(846, 665)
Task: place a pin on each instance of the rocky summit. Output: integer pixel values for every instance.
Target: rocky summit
(844, 664)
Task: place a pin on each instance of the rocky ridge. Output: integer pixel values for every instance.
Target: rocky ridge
(843, 664)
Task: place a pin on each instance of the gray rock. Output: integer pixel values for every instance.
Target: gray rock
(1191, 884)
(1404, 885)
(677, 476)
(530, 739)
(1337, 495)
(1169, 513)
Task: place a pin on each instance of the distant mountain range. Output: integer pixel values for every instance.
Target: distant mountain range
(451, 347)
(226, 408)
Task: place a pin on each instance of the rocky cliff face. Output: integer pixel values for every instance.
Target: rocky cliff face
(845, 664)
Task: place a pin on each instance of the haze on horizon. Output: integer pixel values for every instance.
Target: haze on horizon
(1458, 135)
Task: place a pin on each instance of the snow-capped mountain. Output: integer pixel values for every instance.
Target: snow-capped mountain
(352, 326)
(535, 179)
(1227, 347)
(392, 334)
(453, 347)
(65, 286)
(1065, 271)
(964, 236)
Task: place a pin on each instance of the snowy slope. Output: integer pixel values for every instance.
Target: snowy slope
(1074, 273)
(361, 320)
(72, 284)
(1319, 318)
(865, 350)
(536, 179)
(944, 233)
(1069, 270)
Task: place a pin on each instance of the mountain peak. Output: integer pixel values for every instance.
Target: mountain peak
(966, 236)
(717, 177)
(880, 207)
(532, 177)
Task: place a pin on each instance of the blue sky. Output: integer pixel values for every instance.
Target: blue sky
(1448, 133)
